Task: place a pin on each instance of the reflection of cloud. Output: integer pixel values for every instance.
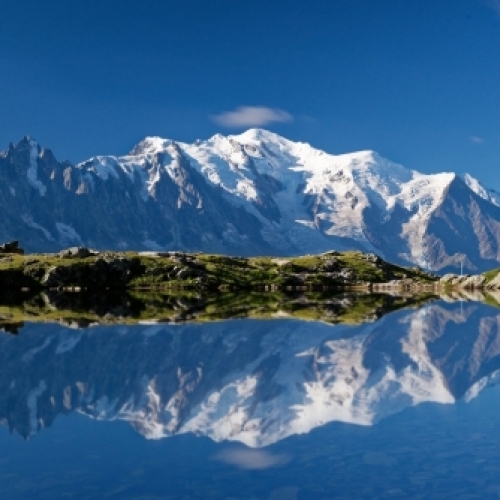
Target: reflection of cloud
(251, 459)
(251, 116)
(477, 140)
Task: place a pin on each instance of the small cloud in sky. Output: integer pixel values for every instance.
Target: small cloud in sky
(252, 116)
(250, 459)
(477, 140)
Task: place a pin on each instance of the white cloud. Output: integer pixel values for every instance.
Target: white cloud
(252, 116)
(477, 140)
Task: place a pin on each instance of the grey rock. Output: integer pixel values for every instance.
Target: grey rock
(475, 281)
(77, 252)
(11, 247)
(494, 284)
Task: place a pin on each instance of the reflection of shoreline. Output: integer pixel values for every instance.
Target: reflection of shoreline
(84, 309)
(256, 382)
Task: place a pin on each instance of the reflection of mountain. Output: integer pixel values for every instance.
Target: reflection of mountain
(251, 381)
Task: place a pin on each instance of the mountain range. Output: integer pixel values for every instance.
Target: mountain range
(244, 380)
(256, 193)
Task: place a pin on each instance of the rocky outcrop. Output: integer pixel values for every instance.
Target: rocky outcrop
(464, 281)
(475, 281)
(77, 253)
(103, 272)
(11, 247)
(494, 284)
(84, 268)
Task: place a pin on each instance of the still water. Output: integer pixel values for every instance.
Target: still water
(403, 405)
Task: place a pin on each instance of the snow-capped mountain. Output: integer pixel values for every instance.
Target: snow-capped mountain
(251, 381)
(253, 193)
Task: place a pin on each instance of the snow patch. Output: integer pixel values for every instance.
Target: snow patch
(28, 220)
(67, 234)
(32, 403)
(481, 385)
(32, 172)
(480, 190)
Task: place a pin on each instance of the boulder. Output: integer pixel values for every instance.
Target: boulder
(77, 253)
(101, 273)
(11, 247)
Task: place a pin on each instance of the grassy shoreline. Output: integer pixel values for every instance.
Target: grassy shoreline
(178, 270)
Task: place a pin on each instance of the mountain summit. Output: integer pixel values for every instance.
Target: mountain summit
(249, 194)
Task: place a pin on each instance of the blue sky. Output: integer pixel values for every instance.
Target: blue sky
(418, 81)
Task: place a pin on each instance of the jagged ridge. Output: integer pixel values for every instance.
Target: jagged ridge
(251, 194)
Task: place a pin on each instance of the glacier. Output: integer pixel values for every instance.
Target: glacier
(254, 193)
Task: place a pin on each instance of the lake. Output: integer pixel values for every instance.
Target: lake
(400, 400)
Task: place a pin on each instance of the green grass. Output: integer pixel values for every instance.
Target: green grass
(490, 275)
(207, 271)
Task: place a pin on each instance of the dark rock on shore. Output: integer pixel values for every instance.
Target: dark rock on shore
(103, 272)
(11, 247)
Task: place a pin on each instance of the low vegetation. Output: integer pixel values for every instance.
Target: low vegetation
(491, 275)
(119, 270)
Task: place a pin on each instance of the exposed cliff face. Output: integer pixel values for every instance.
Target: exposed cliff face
(48, 205)
(465, 227)
(247, 380)
(252, 194)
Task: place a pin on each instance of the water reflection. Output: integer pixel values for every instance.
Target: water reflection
(80, 310)
(252, 381)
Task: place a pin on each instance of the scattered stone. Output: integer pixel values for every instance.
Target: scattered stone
(494, 283)
(371, 257)
(476, 281)
(331, 265)
(188, 272)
